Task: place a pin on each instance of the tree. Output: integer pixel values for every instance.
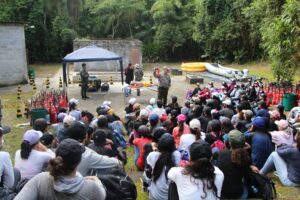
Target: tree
(282, 41)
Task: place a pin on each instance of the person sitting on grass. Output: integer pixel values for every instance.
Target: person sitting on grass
(199, 179)
(7, 179)
(145, 138)
(73, 109)
(158, 165)
(62, 181)
(285, 160)
(181, 129)
(235, 164)
(90, 159)
(33, 156)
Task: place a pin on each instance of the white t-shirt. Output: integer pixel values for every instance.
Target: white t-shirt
(158, 111)
(34, 164)
(159, 189)
(186, 140)
(76, 114)
(192, 189)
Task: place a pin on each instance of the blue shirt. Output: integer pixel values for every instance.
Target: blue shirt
(261, 148)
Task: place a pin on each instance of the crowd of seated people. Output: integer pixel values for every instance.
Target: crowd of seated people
(206, 147)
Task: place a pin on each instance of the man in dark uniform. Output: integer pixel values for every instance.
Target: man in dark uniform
(84, 81)
(164, 83)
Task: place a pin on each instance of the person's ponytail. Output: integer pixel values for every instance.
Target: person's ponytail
(26, 149)
(56, 167)
(181, 128)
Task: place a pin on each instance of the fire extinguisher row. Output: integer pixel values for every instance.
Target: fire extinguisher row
(51, 100)
(275, 93)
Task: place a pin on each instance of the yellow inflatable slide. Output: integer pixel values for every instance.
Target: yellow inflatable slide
(193, 67)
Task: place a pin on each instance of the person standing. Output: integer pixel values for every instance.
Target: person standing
(138, 76)
(164, 83)
(84, 75)
(129, 73)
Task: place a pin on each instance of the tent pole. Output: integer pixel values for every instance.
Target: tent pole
(65, 74)
(121, 67)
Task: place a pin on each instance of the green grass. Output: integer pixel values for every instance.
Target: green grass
(44, 70)
(10, 103)
(261, 69)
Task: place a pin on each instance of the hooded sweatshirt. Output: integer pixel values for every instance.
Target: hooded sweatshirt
(44, 187)
(282, 137)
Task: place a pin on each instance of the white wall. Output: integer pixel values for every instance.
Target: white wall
(13, 64)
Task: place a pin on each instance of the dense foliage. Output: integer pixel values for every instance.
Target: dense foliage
(171, 30)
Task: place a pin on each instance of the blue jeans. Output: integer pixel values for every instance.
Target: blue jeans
(275, 161)
(136, 154)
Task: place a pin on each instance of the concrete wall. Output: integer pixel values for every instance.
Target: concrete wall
(129, 50)
(13, 64)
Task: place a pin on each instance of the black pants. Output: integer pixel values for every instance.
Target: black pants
(163, 95)
(84, 88)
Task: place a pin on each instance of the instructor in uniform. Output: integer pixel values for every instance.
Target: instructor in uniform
(164, 83)
(84, 81)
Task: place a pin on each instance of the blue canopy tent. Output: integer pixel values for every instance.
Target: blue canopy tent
(90, 53)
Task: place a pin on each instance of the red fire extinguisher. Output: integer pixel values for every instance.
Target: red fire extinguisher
(53, 114)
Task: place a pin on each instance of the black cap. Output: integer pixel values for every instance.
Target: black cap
(200, 149)
(70, 150)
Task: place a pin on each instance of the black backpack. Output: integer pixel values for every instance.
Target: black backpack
(118, 185)
(104, 87)
(260, 186)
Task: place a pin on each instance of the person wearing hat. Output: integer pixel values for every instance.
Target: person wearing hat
(6, 169)
(188, 139)
(62, 181)
(129, 108)
(158, 165)
(90, 159)
(227, 110)
(199, 179)
(33, 155)
(234, 163)
(164, 83)
(180, 129)
(84, 75)
(138, 76)
(60, 124)
(153, 122)
(196, 90)
(260, 142)
(73, 109)
(285, 160)
(284, 135)
(63, 132)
